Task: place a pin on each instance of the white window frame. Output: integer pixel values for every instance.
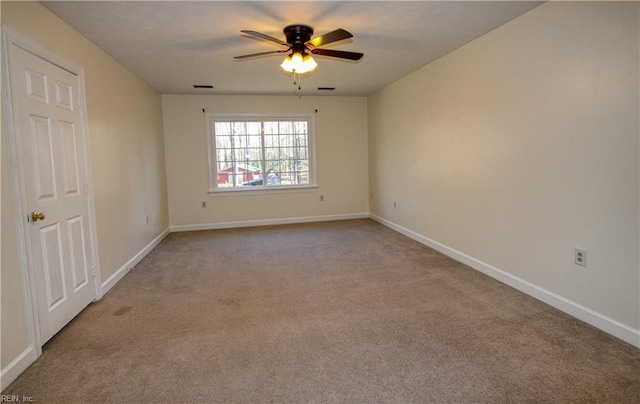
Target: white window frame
(211, 118)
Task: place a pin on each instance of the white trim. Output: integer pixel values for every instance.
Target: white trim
(15, 368)
(120, 273)
(271, 189)
(598, 320)
(268, 222)
(90, 195)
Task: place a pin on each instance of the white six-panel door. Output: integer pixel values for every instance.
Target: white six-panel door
(51, 158)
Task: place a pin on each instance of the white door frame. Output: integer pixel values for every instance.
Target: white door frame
(11, 38)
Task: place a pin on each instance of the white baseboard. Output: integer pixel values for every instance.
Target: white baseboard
(120, 273)
(598, 320)
(268, 222)
(11, 372)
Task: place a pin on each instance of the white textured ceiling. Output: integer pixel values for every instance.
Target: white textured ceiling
(174, 44)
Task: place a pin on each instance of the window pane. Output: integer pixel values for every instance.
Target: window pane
(271, 140)
(222, 128)
(270, 128)
(286, 127)
(253, 128)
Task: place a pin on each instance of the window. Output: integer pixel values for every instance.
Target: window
(260, 152)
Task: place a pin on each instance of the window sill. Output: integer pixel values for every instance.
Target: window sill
(264, 191)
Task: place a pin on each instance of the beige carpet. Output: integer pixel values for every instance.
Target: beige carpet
(346, 312)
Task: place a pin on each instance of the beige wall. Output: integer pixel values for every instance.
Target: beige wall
(521, 146)
(341, 155)
(127, 160)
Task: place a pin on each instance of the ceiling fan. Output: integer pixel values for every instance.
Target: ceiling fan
(300, 46)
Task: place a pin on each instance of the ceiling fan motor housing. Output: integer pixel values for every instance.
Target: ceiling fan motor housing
(297, 35)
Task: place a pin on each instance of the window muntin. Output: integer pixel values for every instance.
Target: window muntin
(256, 153)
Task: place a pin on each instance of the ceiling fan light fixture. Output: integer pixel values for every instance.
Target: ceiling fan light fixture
(298, 63)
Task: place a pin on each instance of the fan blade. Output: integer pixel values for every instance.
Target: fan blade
(333, 36)
(264, 36)
(338, 54)
(253, 55)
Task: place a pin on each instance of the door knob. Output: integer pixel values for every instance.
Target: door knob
(35, 216)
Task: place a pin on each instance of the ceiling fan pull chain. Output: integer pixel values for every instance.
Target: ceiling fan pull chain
(297, 80)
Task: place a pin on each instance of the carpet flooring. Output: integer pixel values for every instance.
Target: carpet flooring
(348, 312)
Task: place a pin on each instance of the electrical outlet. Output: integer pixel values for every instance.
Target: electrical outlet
(204, 204)
(580, 257)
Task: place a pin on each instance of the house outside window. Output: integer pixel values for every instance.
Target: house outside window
(260, 152)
